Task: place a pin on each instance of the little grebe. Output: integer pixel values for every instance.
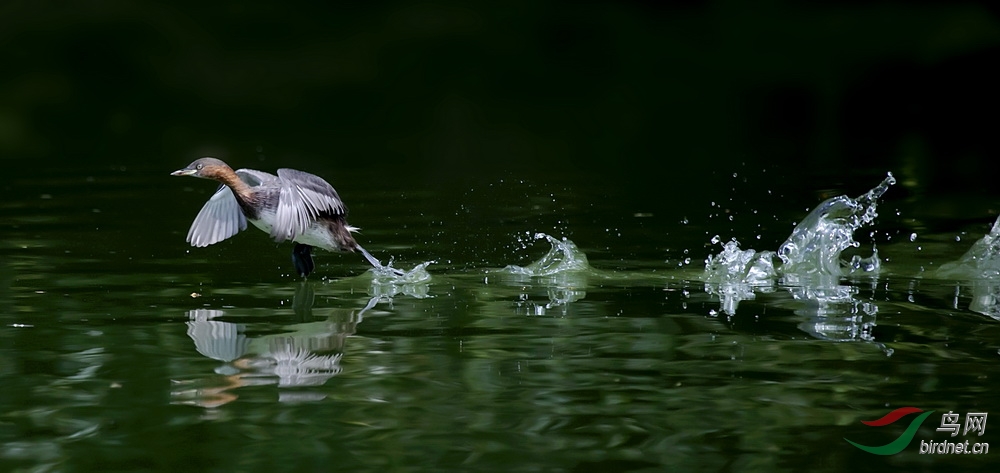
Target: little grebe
(293, 205)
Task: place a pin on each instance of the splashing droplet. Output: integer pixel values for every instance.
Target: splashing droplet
(562, 257)
(815, 244)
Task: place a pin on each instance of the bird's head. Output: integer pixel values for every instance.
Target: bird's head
(207, 168)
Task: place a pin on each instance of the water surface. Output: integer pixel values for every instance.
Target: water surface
(124, 349)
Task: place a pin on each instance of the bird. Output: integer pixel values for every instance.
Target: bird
(293, 206)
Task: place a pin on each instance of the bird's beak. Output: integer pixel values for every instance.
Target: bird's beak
(183, 172)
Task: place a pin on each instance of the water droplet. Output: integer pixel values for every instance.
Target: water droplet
(913, 237)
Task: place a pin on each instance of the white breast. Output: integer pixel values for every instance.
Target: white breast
(317, 235)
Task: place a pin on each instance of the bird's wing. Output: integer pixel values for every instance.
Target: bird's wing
(303, 198)
(219, 218)
(255, 178)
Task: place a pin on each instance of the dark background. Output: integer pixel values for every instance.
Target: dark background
(642, 94)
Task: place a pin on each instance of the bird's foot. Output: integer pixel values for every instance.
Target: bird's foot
(302, 258)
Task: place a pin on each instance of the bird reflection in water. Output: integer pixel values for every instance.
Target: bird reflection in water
(307, 355)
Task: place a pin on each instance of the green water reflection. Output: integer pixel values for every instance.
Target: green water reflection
(121, 349)
(456, 132)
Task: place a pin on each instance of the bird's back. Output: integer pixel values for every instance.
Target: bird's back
(294, 205)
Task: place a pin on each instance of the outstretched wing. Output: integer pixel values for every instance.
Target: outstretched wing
(302, 199)
(221, 217)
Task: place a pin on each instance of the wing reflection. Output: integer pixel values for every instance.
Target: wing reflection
(217, 340)
(304, 355)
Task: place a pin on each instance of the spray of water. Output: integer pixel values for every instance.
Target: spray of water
(982, 261)
(561, 258)
(388, 282)
(563, 270)
(979, 272)
(390, 275)
(815, 245)
(734, 274)
(813, 248)
(810, 257)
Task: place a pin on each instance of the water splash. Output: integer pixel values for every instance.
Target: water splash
(981, 266)
(562, 257)
(986, 298)
(811, 261)
(733, 265)
(563, 270)
(735, 274)
(388, 282)
(816, 243)
(982, 261)
(391, 275)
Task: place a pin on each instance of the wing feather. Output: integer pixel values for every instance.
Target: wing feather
(219, 218)
(303, 198)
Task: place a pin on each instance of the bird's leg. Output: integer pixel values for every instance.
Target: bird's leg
(302, 258)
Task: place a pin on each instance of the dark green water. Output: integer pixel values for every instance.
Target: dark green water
(455, 131)
(122, 349)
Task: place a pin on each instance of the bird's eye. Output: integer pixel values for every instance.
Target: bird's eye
(199, 166)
